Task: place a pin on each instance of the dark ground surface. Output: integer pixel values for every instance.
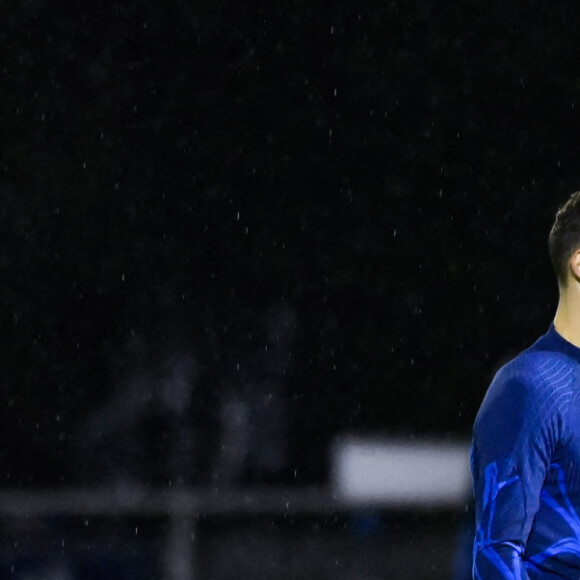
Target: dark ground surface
(389, 548)
(377, 547)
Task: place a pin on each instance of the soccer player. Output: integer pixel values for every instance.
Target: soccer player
(526, 448)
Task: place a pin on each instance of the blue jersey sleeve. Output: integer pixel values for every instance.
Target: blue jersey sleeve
(515, 435)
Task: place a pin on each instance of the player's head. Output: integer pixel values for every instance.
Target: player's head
(564, 241)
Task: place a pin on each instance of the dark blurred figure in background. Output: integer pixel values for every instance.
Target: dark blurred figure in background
(463, 560)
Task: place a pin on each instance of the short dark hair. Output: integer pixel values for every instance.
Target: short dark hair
(564, 237)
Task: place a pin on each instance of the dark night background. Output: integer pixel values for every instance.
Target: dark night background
(182, 182)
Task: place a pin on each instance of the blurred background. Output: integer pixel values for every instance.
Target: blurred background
(233, 234)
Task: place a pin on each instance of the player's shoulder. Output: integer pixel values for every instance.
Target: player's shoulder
(540, 382)
(539, 371)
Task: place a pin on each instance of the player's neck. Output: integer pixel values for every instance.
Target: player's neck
(567, 319)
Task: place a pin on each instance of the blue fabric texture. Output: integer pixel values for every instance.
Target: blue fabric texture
(525, 462)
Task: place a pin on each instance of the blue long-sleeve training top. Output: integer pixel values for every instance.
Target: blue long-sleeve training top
(525, 462)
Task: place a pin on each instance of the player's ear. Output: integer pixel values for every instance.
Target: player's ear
(575, 265)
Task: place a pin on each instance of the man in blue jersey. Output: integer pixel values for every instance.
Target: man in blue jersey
(526, 446)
